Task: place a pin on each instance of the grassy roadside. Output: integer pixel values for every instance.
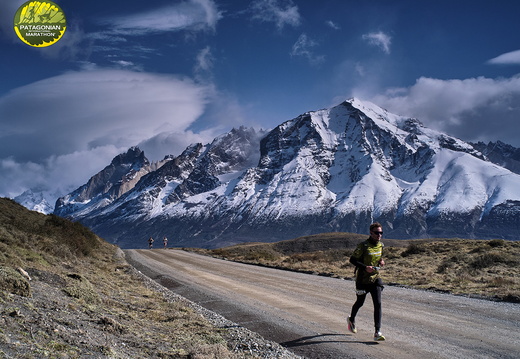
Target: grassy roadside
(65, 293)
(481, 268)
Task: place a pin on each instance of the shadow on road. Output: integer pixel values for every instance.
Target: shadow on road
(323, 339)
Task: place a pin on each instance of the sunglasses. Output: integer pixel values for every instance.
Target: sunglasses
(380, 233)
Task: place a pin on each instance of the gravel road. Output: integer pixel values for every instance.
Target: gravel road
(307, 313)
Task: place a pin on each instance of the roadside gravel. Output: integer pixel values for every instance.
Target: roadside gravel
(239, 338)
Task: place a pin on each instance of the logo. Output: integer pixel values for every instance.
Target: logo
(40, 23)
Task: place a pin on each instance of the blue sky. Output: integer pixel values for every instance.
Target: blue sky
(162, 74)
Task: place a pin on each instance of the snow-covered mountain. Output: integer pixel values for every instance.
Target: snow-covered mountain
(123, 173)
(336, 169)
(35, 201)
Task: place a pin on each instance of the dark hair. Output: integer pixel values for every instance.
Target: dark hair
(375, 225)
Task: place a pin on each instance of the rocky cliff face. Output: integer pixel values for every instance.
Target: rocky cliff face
(123, 173)
(502, 154)
(335, 169)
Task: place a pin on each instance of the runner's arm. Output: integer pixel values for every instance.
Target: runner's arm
(355, 261)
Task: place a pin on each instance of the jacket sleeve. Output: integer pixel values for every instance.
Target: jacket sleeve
(357, 258)
(357, 263)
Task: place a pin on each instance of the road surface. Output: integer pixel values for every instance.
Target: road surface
(307, 313)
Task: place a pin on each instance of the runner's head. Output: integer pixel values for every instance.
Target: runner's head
(376, 231)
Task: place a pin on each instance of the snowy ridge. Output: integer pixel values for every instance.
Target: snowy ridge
(336, 169)
(123, 173)
(34, 201)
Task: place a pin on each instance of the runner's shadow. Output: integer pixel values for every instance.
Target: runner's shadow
(322, 339)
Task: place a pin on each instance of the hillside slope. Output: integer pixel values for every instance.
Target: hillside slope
(66, 293)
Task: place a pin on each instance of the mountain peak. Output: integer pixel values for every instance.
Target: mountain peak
(124, 171)
(336, 169)
(365, 106)
(34, 201)
(134, 157)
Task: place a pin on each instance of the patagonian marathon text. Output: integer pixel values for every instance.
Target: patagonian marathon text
(40, 27)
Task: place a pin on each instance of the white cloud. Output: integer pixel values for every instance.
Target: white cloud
(123, 64)
(173, 143)
(304, 47)
(475, 109)
(56, 175)
(77, 122)
(186, 15)
(204, 64)
(379, 39)
(332, 25)
(510, 58)
(58, 132)
(81, 110)
(280, 12)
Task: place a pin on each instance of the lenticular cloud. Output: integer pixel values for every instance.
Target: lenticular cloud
(80, 110)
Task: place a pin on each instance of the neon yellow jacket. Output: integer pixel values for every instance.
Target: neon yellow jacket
(367, 253)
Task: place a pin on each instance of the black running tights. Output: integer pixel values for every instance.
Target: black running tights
(375, 292)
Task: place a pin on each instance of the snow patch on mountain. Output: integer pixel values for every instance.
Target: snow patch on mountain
(336, 169)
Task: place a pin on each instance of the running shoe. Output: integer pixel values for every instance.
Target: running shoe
(351, 326)
(378, 337)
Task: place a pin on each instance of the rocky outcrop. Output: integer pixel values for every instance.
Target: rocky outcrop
(123, 173)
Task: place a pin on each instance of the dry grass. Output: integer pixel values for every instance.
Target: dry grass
(482, 268)
(84, 301)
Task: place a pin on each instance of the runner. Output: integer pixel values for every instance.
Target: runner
(367, 258)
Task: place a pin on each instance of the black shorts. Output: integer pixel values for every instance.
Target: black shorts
(370, 286)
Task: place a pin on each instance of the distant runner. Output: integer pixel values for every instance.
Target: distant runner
(165, 242)
(150, 243)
